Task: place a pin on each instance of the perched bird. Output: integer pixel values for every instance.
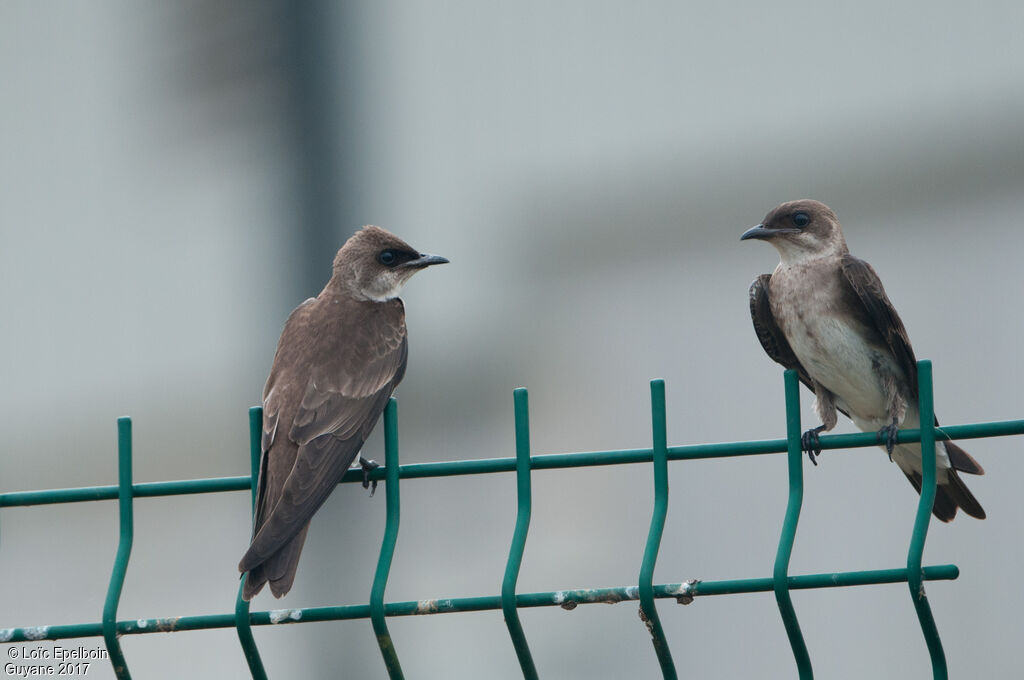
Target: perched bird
(339, 358)
(824, 313)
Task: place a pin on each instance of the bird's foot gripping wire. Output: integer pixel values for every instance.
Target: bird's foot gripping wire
(810, 444)
(368, 467)
(887, 436)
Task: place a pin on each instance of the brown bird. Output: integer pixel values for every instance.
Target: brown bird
(339, 358)
(824, 313)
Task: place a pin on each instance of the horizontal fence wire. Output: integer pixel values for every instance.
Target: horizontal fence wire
(549, 461)
(566, 599)
(645, 591)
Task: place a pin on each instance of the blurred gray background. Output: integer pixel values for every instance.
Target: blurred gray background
(175, 178)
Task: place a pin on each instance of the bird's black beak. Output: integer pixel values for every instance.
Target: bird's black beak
(425, 260)
(758, 232)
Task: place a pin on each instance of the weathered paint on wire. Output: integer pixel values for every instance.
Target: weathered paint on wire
(566, 599)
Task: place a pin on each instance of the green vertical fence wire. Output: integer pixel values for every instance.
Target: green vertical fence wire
(926, 409)
(387, 548)
(524, 507)
(646, 586)
(780, 576)
(242, 624)
(124, 547)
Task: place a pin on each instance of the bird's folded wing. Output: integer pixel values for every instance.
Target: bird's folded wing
(768, 332)
(340, 406)
(879, 313)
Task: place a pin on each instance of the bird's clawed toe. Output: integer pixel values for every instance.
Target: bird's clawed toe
(887, 436)
(809, 443)
(368, 467)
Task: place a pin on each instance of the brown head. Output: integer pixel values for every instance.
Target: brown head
(374, 264)
(801, 230)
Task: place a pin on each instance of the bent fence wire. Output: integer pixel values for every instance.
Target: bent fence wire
(509, 601)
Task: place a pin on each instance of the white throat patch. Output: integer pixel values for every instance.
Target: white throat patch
(386, 286)
(797, 253)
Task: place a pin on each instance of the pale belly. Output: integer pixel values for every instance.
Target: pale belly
(836, 356)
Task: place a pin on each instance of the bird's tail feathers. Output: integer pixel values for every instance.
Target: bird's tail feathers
(949, 496)
(279, 569)
(962, 461)
(254, 580)
(957, 491)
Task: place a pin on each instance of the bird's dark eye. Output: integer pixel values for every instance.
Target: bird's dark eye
(387, 257)
(801, 219)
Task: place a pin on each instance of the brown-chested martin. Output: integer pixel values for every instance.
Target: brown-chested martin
(824, 313)
(339, 358)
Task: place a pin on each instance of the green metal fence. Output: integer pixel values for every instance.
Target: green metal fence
(509, 601)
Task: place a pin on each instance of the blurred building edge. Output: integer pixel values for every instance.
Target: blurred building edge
(288, 64)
